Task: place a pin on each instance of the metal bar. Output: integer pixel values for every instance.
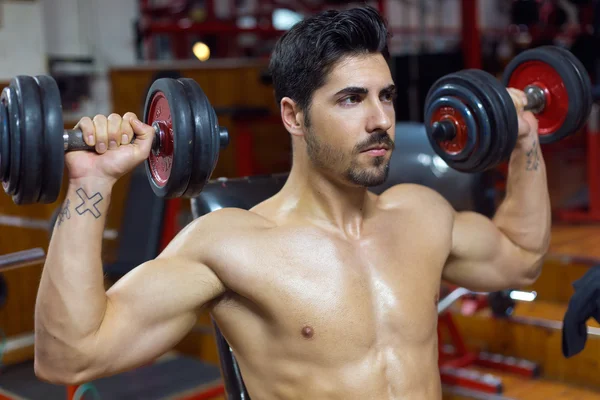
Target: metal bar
(471, 41)
(593, 160)
(382, 8)
(450, 299)
(473, 394)
(42, 224)
(19, 342)
(169, 223)
(22, 259)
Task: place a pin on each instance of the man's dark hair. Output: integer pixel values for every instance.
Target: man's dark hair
(304, 56)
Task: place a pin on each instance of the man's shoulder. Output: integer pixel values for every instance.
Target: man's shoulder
(413, 195)
(216, 230)
(217, 235)
(232, 218)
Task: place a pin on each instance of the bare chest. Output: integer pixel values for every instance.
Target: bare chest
(381, 291)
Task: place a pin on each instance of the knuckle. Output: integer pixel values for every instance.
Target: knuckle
(86, 125)
(85, 120)
(114, 117)
(99, 118)
(126, 128)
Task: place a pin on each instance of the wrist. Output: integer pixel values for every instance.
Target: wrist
(104, 184)
(527, 141)
(88, 196)
(87, 188)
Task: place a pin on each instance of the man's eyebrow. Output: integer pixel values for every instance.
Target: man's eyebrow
(352, 90)
(390, 89)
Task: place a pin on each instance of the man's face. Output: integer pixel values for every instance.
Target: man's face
(351, 121)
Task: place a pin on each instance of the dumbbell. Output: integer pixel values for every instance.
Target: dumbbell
(33, 141)
(471, 120)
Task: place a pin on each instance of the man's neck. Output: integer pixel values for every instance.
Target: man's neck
(331, 204)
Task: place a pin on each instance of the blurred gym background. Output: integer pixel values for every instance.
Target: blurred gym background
(104, 54)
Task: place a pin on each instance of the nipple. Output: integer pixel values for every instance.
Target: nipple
(436, 299)
(308, 332)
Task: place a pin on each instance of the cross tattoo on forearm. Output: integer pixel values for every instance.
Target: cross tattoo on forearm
(88, 204)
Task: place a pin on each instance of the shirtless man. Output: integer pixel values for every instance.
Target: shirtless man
(325, 290)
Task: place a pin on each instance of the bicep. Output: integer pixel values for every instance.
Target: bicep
(482, 257)
(150, 310)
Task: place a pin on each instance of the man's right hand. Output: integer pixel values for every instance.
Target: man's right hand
(115, 153)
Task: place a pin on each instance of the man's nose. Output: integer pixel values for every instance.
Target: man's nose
(380, 118)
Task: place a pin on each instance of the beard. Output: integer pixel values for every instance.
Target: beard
(329, 158)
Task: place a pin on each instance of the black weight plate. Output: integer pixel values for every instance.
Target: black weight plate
(10, 99)
(510, 120)
(561, 115)
(4, 142)
(507, 122)
(206, 144)
(584, 80)
(581, 109)
(467, 156)
(494, 119)
(480, 82)
(53, 130)
(169, 172)
(479, 103)
(452, 86)
(216, 130)
(32, 148)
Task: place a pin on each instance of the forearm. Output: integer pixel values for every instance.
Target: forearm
(71, 298)
(525, 214)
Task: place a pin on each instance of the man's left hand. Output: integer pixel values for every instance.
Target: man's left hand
(528, 123)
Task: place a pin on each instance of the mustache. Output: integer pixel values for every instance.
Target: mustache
(378, 138)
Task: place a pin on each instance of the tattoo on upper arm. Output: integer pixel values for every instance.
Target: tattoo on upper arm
(64, 213)
(88, 204)
(533, 157)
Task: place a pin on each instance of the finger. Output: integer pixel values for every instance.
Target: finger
(532, 122)
(126, 127)
(101, 125)
(126, 132)
(142, 130)
(114, 131)
(86, 125)
(144, 136)
(519, 98)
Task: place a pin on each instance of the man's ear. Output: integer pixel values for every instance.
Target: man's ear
(291, 116)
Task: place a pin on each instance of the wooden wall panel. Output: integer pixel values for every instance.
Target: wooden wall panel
(533, 341)
(555, 282)
(17, 314)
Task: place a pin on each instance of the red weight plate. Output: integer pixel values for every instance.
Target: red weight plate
(545, 77)
(459, 142)
(161, 162)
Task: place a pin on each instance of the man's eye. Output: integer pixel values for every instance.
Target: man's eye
(351, 100)
(389, 97)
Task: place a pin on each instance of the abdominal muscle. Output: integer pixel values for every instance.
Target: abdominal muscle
(382, 373)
